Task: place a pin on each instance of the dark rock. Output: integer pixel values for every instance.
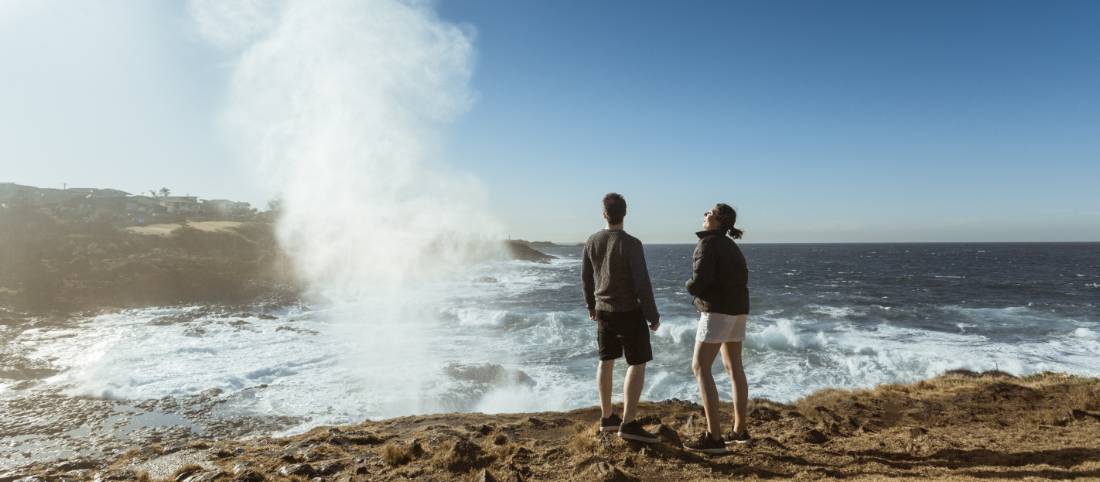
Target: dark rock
(186, 473)
(605, 472)
(248, 475)
(764, 414)
(291, 456)
(78, 464)
(485, 476)
(522, 252)
(521, 455)
(915, 432)
(463, 456)
(500, 439)
(330, 467)
(668, 435)
(1081, 415)
(815, 437)
(304, 470)
(485, 279)
(210, 476)
(221, 453)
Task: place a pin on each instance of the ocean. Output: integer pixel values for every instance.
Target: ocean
(514, 336)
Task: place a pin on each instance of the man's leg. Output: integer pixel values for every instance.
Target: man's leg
(632, 390)
(701, 363)
(603, 381)
(731, 358)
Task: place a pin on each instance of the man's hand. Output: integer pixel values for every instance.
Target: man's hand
(592, 314)
(654, 325)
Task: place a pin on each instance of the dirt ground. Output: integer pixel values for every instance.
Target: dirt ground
(167, 229)
(960, 426)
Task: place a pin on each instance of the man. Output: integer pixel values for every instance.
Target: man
(620, 301)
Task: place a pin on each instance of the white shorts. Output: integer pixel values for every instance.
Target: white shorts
(720, 328)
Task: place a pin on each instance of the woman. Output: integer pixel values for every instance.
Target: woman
(719, 282)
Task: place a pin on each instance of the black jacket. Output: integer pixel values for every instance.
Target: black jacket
(720, 277)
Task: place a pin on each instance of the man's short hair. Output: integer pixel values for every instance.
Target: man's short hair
(614, 206)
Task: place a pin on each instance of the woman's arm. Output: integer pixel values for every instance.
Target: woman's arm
(703, 269)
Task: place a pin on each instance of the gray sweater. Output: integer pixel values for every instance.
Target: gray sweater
(614, 275)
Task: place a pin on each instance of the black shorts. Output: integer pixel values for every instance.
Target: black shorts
(621, 333)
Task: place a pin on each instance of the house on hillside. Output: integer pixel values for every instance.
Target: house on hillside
(142, 209)
(181, 204)
(225, 207)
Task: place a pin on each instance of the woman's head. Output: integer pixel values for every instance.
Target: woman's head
(722, 217)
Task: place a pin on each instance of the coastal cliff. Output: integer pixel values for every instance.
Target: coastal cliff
(48, 264)
(959, 426)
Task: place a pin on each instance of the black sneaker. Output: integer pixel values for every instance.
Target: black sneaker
(706, 444)
(610, 424)
(738, 438)
(633, 430)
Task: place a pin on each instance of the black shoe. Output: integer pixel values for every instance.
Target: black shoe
(706, 444)
(738, 438)
(610, 424)
(633, 430)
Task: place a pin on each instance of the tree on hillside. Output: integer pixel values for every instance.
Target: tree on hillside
(164, 192)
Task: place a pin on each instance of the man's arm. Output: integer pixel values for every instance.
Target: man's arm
(588, 282)
(702, 270)
(643, 287)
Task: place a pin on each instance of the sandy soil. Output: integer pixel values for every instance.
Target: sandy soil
(167, 229)
(960, 426)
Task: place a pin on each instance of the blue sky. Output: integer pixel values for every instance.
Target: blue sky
(819, 121)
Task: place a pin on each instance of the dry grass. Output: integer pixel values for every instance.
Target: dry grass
(460, 455)
(186, 470)
(396, 454)
(583, 441)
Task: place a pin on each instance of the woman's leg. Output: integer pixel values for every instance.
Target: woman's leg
(700, 364)
(731, 358)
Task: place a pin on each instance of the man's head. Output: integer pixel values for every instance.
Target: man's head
(614, 208)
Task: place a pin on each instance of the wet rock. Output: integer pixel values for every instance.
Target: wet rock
(304, 470)
(485, 279)
(488, 373)
(195, 332)
(815, 437)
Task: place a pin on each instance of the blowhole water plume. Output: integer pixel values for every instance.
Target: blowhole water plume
(339, 104)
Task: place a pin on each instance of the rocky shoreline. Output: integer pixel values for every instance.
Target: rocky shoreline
(959, 426)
